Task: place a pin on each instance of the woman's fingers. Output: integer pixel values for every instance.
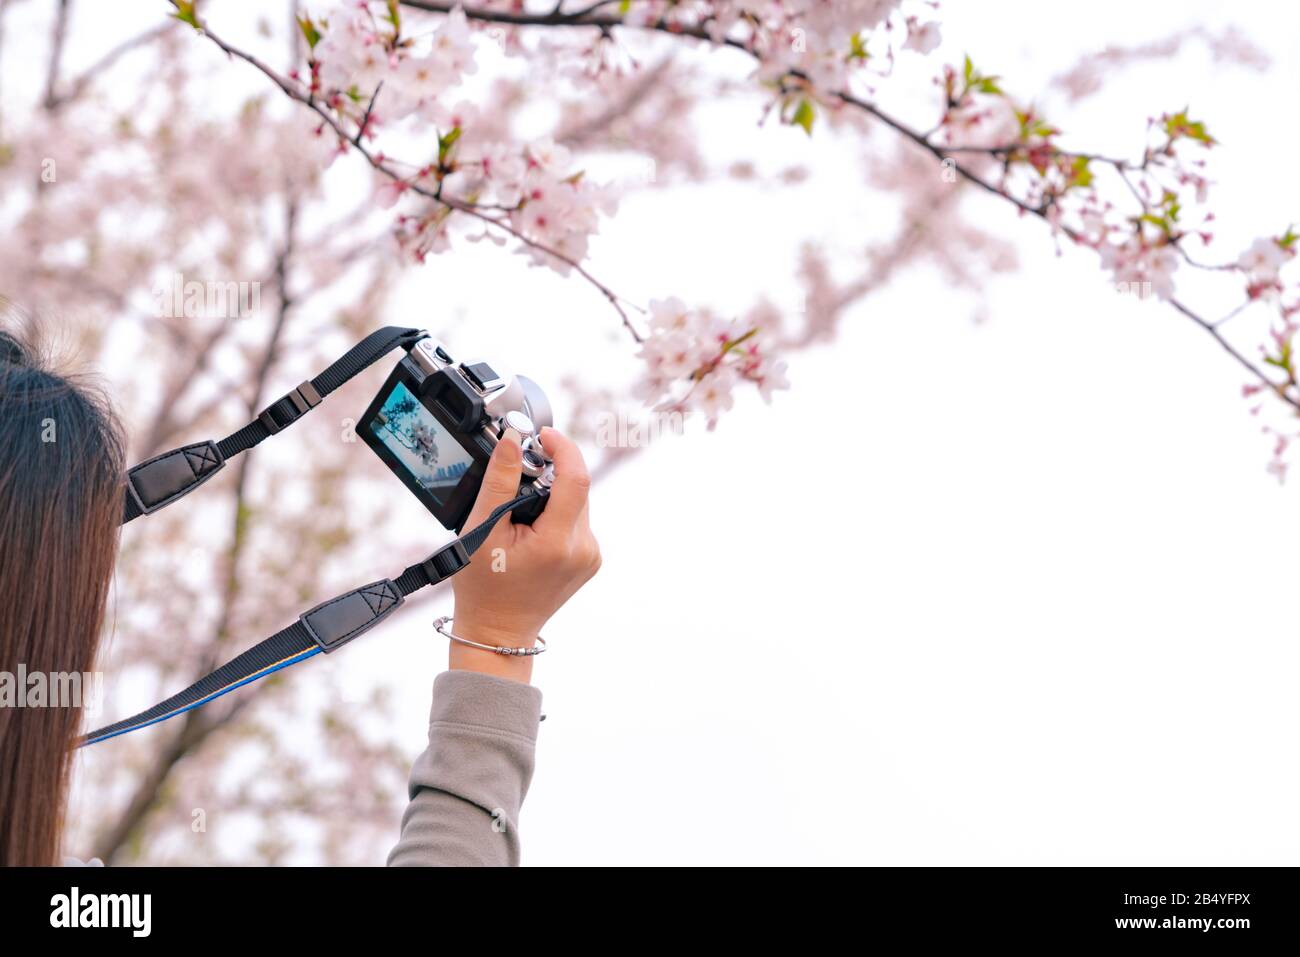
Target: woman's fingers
(500, 481)
(568, 502)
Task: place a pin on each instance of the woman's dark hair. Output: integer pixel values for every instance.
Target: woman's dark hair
(61, 488)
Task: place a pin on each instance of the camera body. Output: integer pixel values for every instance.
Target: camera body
(436, 421)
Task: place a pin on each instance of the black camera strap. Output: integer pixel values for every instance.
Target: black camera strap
(325, 628)
(331, 624)
(163, 479)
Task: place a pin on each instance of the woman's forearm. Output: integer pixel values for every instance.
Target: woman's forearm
(469, 783)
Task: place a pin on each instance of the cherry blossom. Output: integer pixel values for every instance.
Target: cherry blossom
(712, 396)
(1143, 267)
(361, 57)
(922, 37)
(368, 71)
(695, 359)
(1265, 257)
(352, 53)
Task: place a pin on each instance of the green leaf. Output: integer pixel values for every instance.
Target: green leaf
(1159, 222)
(185, 13)
(1288, 238)
(976, 82)
(309, 31)
(1080, 175)
(804, 116)
(732, 343)
(1180, 124)
(445, 143)
(1169, 202)
(624, 7)
(1283, 359)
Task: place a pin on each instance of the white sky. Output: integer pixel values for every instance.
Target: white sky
(1008, 593)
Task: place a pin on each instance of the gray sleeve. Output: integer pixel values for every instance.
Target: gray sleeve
(468, 785)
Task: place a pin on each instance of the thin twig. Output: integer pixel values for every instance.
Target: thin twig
(83, 80)
(468, 208)
(57, 41)
(365, 117)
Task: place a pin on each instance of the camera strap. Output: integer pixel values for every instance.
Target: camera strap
(163, 479)
(325, 628)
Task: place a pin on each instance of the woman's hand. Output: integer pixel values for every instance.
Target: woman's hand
(522, 574)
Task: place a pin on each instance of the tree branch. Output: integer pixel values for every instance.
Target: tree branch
(78, 86)
(589, 17)
(378, 164)
(57, 41)
(197, 725)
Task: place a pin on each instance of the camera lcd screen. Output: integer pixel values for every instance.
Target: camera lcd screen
(420, 443)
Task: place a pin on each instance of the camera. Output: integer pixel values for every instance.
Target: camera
(436, 421)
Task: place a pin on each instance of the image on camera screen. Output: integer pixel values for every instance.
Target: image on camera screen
(421, 443)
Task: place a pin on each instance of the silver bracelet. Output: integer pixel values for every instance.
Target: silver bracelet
(440, 626)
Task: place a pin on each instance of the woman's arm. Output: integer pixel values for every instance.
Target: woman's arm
(468, 785)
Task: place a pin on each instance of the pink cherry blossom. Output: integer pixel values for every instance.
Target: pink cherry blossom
(713, 395)
(1142, 266)
(694, 359)
(922, 37)
(1264, 259)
